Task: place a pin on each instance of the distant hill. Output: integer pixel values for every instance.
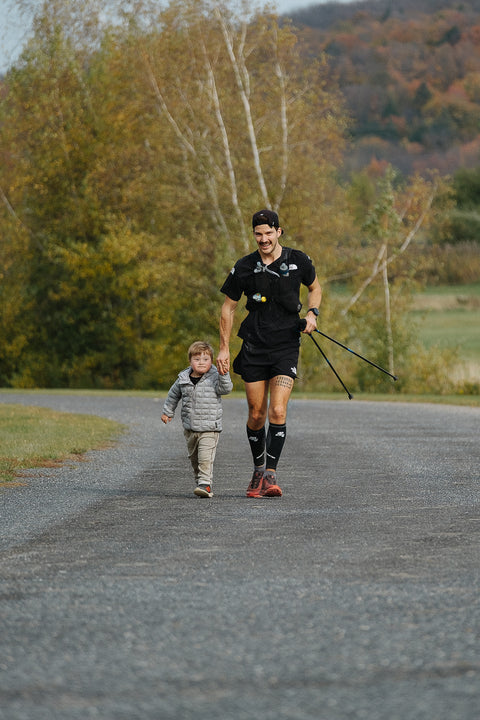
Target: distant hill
(410, 73)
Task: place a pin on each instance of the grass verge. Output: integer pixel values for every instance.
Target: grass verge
(463, 400)
(449, 317)
(39, 437)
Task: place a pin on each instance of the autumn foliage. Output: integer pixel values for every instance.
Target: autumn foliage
(410, 73)
(133, 153)
(133, 156)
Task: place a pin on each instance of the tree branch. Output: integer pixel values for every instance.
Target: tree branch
(164, 107)
(226, 148)
(366, 283)
(243, 83)
(376, 266)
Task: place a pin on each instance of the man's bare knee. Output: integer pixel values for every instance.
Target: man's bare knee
(277, 414)
(280, 389)
(256, 419)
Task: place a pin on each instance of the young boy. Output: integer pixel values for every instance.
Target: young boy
(200, 388)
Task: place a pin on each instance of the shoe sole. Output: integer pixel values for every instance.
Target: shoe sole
(200, 492)
(273, 491)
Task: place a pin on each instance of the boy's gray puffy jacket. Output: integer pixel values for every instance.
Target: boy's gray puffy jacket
(201, 409)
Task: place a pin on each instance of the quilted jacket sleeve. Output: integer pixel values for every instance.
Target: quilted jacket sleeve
(173, 398)
(224, 384)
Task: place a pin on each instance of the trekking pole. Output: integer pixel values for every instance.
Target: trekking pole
(355, 353)
(302, 326)
(350, 396)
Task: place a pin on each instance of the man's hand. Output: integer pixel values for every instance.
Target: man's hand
(223, 362)
(311, 323)
(166, 419)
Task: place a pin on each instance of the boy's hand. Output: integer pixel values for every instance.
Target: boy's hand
(166, 419)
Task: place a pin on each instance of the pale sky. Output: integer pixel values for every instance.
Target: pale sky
(285, 6)
(14, 27)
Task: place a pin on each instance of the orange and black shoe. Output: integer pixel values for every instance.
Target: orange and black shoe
(269, 487)
(255, 487)
(203, 491)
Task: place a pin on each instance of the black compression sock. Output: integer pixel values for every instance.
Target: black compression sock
(256, 438)
(275, 441)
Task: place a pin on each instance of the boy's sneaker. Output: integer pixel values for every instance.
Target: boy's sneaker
(269, 487)
(203, 491)
(255, 487)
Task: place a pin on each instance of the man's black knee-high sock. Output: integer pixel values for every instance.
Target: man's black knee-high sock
(275, 441)
(256, 438)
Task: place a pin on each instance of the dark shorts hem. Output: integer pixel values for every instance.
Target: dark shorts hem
(255, 364)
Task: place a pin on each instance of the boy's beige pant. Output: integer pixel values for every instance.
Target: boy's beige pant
(201, 447)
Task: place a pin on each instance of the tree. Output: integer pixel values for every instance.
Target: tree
(248, 118)
(393, 219)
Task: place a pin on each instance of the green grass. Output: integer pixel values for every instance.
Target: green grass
(452, 329)
(449, 317)
(464, 400)
(470, 290)
(38, 437)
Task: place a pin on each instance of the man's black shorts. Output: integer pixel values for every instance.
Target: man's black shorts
(256, 363)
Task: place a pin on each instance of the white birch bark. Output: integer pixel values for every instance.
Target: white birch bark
(243, 84)
(388, 314)
(228, 155)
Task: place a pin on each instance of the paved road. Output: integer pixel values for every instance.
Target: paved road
(356, 595)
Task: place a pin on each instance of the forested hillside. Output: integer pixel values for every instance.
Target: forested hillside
(410, 73)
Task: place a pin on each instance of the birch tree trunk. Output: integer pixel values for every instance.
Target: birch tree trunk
(243, 84)
(388, 313)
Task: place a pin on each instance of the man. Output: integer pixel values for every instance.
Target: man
(270, 278)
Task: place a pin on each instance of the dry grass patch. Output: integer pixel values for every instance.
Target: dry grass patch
(39, 437)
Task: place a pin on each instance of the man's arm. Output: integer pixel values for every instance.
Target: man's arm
(226, 324)
(314, 300)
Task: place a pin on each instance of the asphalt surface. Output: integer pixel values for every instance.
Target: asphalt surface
(355, 595)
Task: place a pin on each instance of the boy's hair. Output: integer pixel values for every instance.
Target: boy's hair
(198, 347)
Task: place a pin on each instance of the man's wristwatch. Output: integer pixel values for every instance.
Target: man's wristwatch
(314, 310)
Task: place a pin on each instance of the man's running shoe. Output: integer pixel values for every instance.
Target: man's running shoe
(203, 491)
(269, 487)
(255, 487)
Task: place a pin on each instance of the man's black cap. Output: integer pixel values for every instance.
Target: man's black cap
(265, 217)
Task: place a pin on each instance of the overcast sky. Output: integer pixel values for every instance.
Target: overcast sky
(13, 27)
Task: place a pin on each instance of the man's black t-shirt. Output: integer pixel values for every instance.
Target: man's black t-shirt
(272, 293)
